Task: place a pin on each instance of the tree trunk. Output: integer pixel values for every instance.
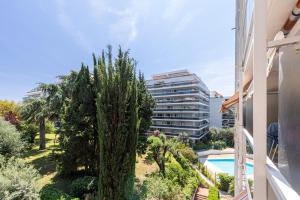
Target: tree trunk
(42, 134)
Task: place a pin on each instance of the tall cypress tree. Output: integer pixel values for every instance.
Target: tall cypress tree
(79, 136)
(117, 116)
(146, 104)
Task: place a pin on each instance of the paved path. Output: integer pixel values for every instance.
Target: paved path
(201, 194)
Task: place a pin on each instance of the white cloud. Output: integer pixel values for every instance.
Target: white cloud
(173, 9)
(218, 75)
(125, 28)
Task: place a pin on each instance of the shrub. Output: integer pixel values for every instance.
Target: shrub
(200, 146)
(10, 139)
(18, 180)
(28, 133)
(189, 154)
(190, 187)
(218, 144)
(84, 185)
(213, 194)
(226, 135)
(49, 192)
(156, 187)
(225, 181)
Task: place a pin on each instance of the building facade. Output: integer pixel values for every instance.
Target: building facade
(220, 119)
(33, 94)
(182, 104)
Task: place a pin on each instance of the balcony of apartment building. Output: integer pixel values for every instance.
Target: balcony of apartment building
(267, 98)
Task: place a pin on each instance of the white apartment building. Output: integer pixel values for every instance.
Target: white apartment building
(182, 104)
(267, 98)
(218, 119)
(32, 94)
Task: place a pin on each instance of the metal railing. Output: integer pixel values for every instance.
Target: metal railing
(277, 181)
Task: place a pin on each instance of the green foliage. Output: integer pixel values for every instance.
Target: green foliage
(225, 181)
(177, 174)
(213, 194)
(36, 110)
(49, 192)
(118, 123)
(18, 180)
(78, 131)
(84, 185)
(231, 188)
(225, 135)
(28, 133)
(156, 187)
(49, 127)
(189, 154)
(146, 104)
(158, 148)
(10, 139)
(201, 146)
(219, 144)
(190, 187)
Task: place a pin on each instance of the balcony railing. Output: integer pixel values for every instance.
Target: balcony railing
(188, 109)
(170, 126)
(179, 118)
(277, 181)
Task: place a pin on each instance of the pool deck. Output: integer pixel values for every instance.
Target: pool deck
(212, 169)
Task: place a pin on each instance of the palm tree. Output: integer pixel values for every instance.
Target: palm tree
(35, 110)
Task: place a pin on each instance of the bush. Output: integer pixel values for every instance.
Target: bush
(225, 181)
(18, 180)
(10, 139)
(156, 187)
(28, 133)
(190, 187)
(225, 135)
(218, 144)
(189, 154)
(84, 185)
(200, 146)
(213, 194)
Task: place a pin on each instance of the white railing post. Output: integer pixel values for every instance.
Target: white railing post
(237, 74)
(260, 98)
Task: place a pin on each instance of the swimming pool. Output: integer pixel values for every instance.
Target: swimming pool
(227, 165)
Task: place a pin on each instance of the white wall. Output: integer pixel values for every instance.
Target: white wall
(215, 114)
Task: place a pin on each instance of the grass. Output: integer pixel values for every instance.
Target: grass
(143, 168)
(45, 162)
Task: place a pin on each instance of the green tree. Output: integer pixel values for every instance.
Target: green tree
(146, 104)
(78, 132)
(117, 112)
(158, 149)
(36, 110)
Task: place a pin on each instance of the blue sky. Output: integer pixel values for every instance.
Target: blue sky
(42, 39)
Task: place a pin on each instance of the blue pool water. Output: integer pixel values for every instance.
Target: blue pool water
(227, 165)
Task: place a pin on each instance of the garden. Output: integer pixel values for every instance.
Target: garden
(85, 137)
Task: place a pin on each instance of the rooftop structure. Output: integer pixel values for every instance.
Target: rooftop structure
(182, 104)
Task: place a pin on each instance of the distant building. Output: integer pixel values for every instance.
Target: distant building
(182, 104)
(32, 94)
(217, 118)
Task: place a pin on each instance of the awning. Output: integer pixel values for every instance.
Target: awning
(235, 98)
